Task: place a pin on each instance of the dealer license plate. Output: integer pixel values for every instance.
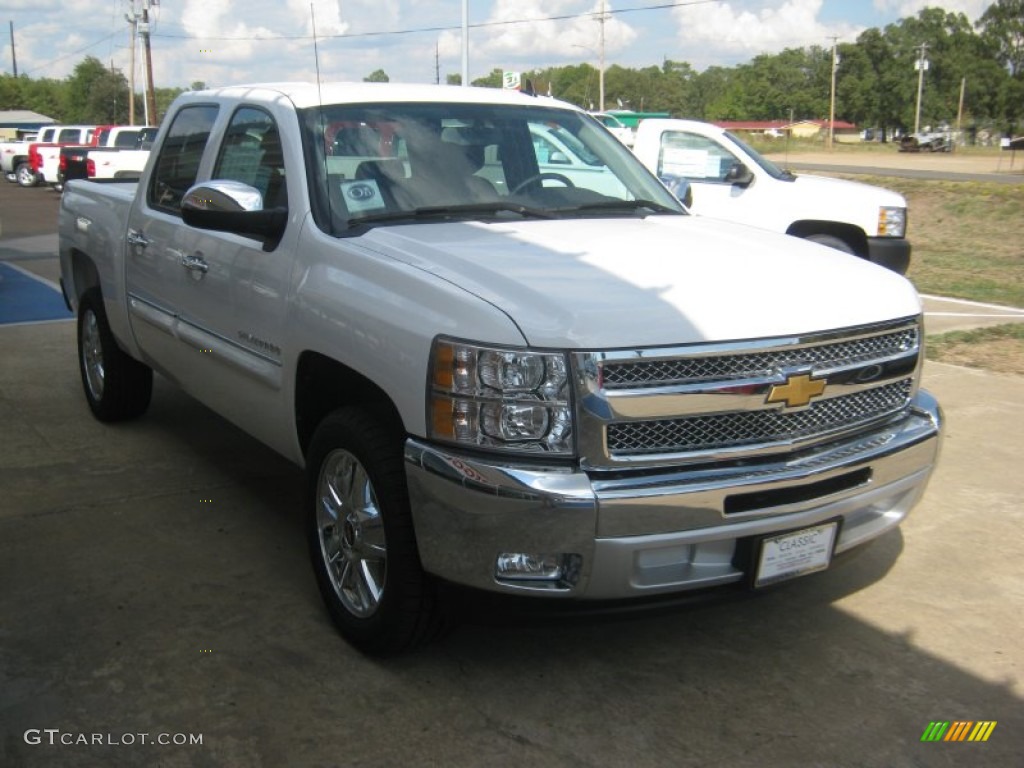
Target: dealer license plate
(795, 554)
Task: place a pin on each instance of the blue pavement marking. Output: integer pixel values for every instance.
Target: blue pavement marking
(25, 298)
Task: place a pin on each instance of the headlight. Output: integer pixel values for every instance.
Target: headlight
(892, 221)
(490, 397)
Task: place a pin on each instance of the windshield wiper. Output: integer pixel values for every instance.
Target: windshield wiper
(622, 205)
(451, 211)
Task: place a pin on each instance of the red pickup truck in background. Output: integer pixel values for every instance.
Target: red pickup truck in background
(43, 155)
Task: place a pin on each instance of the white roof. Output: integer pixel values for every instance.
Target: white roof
(15, 116)
(304, 95)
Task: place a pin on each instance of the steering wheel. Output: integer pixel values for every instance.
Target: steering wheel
(540, 177)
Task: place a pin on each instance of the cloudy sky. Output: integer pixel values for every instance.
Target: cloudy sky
(222, 42)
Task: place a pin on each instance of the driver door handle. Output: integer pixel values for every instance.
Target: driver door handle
(195, 262)
(135, 237)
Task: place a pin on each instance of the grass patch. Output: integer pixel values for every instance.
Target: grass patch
(968, 237)
(996, 348)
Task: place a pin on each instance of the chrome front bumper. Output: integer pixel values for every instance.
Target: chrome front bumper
(665, 530)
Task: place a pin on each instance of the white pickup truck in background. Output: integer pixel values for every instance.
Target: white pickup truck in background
(560, 388)
(121, 164)
(13, 153)
(730, 180)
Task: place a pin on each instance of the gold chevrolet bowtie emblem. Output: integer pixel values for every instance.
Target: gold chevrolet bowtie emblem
(798, 390)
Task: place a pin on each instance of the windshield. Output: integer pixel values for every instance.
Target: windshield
(769, 167)
(373, 163)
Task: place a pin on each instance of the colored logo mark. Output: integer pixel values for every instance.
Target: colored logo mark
(958, 730)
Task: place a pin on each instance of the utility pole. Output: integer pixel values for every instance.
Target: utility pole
(920, 65)
(960, 110)
(151, 117)
(14, 59)
(437, 63)
(600, 72)
(133, 19)
(465, 43)
(832, 97)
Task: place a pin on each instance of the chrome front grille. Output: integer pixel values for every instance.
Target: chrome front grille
(706, 402)
(640, 374)
(739, 428)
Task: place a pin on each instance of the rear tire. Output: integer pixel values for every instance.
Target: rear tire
(25, 175)
(117, 387)
(832, 242)
(361, 538)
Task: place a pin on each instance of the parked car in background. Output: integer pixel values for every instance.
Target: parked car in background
(730, 180)
(927, 142)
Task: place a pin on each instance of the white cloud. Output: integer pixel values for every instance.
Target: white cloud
(710, 33)
(53, 37)
(972, 9)
(537, 43)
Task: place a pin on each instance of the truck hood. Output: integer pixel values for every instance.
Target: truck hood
(842, 192)
(656, 281)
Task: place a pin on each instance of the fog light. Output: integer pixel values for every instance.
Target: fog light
(524, 566)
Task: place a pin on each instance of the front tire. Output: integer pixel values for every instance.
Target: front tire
(25, 175)
(117, 387)
(361, 538)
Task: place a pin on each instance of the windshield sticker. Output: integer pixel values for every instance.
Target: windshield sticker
(693, 163)
(362, 195)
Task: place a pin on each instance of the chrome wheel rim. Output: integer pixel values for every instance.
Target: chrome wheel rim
(92, 355)
(351, 533)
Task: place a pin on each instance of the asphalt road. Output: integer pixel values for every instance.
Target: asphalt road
(1004, 168)
(155, 581)
(909, 173)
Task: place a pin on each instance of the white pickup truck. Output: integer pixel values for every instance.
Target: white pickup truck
(13, 154)
(532, 388)
(729, 180)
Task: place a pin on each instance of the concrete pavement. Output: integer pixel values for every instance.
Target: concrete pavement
(154, 580)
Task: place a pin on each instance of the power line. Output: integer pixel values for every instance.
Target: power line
(597, 15)
(69, 55)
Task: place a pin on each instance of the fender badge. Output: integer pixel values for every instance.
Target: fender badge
(797, 391)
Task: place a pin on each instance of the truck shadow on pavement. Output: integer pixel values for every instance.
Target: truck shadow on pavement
(151, 609)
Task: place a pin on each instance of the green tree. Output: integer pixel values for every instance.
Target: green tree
(164, 97)
(377, 76)
(94, 94)
(1002, 24)
(45, 96)
(493, 80)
